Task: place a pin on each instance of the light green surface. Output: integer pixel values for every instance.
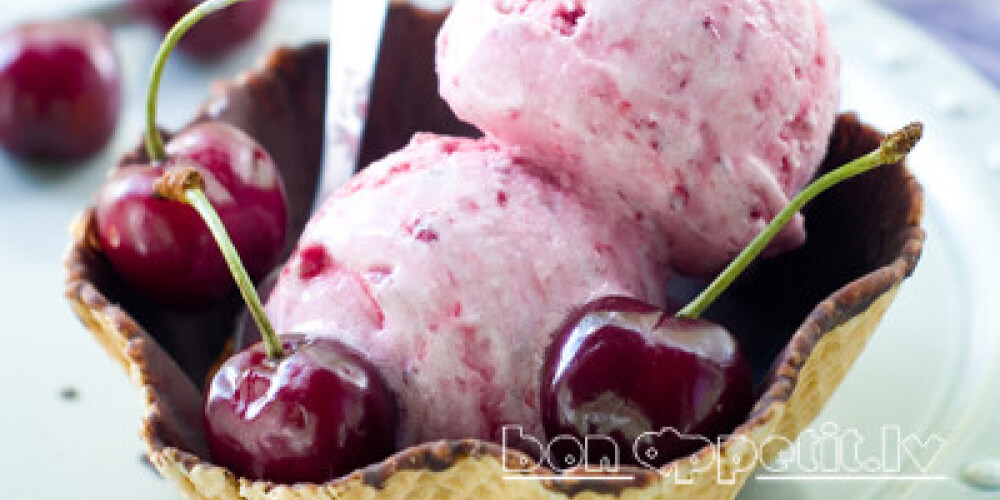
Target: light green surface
(931, 368)
(90, 448)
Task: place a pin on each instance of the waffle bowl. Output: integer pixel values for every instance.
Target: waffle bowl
(822, 301)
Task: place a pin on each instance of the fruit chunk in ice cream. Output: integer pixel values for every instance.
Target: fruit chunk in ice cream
(450, 264)
(708, 114)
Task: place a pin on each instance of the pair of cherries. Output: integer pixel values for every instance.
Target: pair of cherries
(289, 409)
(294, 409)
(60, 84)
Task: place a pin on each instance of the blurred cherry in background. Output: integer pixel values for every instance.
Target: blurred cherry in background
(216, 34)
(60, 89)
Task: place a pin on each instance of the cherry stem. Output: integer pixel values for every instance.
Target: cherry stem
(892, 150)
(186, 185)
(154, 141)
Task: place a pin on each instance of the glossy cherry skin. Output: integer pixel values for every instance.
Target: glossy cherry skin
(60, 90)
(623, 369)
(214, 35)
(315, 415)
(164, 249)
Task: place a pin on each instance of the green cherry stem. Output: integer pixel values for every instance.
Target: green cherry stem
(154, 142)
(185, 184)
(893, 149)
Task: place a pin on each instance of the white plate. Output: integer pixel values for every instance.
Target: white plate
(931, 368)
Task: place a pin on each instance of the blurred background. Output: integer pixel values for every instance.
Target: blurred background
(68, 415)
(969, 27)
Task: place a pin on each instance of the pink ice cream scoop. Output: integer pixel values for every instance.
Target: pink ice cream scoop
(450, 264)
(705, 114)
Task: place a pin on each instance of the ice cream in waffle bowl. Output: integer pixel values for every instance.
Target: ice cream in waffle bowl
(801, 316)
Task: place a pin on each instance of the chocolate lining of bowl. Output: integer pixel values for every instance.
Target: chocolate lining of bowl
(405, 96)
(172, 400)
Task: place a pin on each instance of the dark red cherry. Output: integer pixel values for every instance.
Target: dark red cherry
(625, 370)
(629, 382)
(217, 34)
(163, 248)
(288, 409)
(60, 90)
(315, 414)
